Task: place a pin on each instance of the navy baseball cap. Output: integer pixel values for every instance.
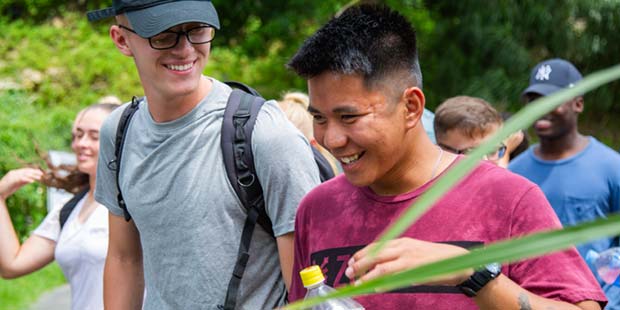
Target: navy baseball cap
(552, 75)
(150, 17)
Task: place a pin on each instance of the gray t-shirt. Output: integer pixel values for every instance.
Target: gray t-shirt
(190, 220)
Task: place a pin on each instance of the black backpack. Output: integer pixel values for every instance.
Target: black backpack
(68, 207)
(240, 115)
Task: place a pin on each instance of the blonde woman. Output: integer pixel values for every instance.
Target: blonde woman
(80, 247)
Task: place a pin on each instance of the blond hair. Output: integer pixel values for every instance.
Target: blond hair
(110, 99)
(295, 106)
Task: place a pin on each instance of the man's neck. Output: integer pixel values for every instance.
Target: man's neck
(422, 163)
(166, 108)
(561, 148)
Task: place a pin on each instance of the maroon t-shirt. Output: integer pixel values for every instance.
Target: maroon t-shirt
(337, 219)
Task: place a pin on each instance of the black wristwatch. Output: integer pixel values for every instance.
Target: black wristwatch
(479, 279)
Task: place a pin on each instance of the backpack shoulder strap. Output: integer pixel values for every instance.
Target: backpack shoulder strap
(325, 169)
(236, 142)
(243, 87)
(68, 207)
(115, 164)
(237, 126)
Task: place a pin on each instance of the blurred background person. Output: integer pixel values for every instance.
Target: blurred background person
(579, 175)
(80, 245)
(519, 139)
(462, 123)
(110, 99)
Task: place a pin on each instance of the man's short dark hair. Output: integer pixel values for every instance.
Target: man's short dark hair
(372, 41)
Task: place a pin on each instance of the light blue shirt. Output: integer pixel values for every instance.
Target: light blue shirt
(428, 118)
(581, 188)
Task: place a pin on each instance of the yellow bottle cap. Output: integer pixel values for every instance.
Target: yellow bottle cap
(311, 275)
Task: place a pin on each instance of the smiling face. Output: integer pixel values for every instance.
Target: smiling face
(85, 139)
(560, 122)
(364, 129)
(170, 73)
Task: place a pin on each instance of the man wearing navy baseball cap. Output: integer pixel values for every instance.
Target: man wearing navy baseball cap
(186, 223)
(579, 175)
(552, 75)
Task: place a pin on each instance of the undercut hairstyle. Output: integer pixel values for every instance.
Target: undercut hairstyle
(473, 117)
(370, 40)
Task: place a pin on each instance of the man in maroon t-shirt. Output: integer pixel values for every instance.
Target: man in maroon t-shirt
(364, 82)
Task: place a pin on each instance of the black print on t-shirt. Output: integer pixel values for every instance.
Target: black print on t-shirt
(334, 262)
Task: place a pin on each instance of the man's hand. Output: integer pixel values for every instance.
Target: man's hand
(17, 178)
(406, 253)
(402, 254)
(513, 141)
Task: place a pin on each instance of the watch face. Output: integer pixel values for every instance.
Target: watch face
(494, 268)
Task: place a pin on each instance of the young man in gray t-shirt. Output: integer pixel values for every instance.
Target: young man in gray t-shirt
(181, 244)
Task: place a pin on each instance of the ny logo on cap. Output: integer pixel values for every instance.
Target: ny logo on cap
(543, 73)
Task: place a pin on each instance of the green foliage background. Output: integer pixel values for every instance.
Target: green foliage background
(53, 62)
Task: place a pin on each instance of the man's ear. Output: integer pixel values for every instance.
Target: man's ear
(414, 103)
(120, 40)
(578, 104)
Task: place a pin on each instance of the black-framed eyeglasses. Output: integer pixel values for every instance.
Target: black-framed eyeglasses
(453, 150)
(495, 155)
(168, 39)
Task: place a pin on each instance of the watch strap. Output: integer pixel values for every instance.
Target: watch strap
(477, 281)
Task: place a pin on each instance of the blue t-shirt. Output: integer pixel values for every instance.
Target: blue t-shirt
(428, 118)
(581, 188)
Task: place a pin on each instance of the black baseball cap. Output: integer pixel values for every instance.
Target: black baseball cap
(150, 17)
(552, 75)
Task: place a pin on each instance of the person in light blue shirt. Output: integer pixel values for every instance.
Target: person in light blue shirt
(579, 175)
(428, 118)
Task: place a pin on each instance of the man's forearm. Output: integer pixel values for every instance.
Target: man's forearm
(285, 253)
(503, 293)
(123, 284)
(123, 276)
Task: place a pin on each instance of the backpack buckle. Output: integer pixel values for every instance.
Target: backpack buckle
(246, 180)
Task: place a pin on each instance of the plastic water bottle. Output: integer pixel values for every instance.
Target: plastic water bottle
(313, 279)
(607, 264)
